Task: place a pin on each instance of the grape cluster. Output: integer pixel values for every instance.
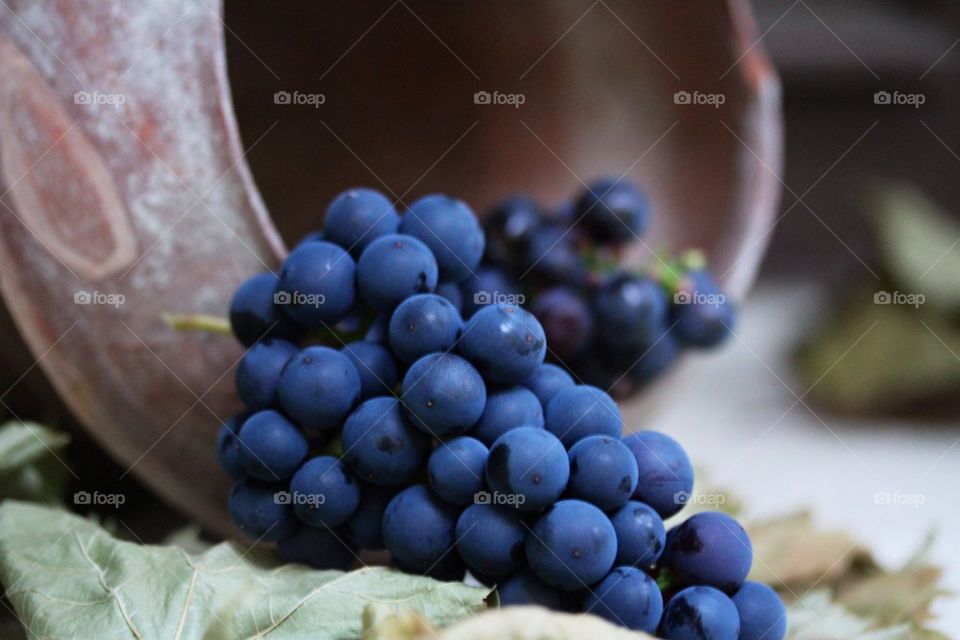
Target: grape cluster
(613, 327)
(389, 408)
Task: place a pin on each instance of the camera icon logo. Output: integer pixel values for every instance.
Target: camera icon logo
(81, 497)
(82, 297)
(82, 97)
(882, 97)
(482, 97)
(282, 97)
(282, 297)
(682, 97)
(682, 297)
(482, 497)
(482, 297)
(681, 497)
(281, 497)
(882, 297)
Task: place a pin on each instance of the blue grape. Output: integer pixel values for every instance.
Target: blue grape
(317, 548)
(451, 291)
(546, 381)
(603, 472)
(324, 493)
(315, 236)
(380, 445)
(357, 217)
(552, 254)
(375, 365)
(655, 358)
(641, 535)
(393, 268)
(506, 409)
(450, 228)
(762, 614)
(490, 539)
(316, 284)
(704, 316)
(567, 321)
(423, 324)
(418, 529)
(614, 210)
(628, 597)
(525, 588)
(228, 446)
(258, 513)
(510, 227)
(572, 545)
(365, 527)
(630, 310)
(581, 411)
(528, 468)
(271, 447)
(504, 342)
(710, 548)
(666, 475)
(700, 613)
(456, 469)
(254, 315)
(443, 394)
(258, 374)
(319, 387)
(488, 284)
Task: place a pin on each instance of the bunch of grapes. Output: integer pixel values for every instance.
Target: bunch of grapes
(611, 326)
(383, 412)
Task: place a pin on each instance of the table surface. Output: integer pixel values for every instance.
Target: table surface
(737, 414)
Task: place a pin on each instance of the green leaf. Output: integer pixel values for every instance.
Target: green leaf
(815, 617)
(67, 578)
(29, 464)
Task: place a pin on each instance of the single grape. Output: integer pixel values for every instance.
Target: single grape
(762, 614)
(490, 539)
(506, 409)
(527, 469)
(380, 445)
(546, 381)
(418, 529)
(709, 548)
(443, 394)
(488, 285)
(641, 535)
(525, 588)
(258, 512)
(323, 492)
(552, 255)
(456, 469)
(581, 411)
(666, 475)
(318, 387)
(375, 365)
(316, 284)
(254, 315)
(704, 316)
(614, 210)
(271, 447)
(228, 446)
(567, 321)
(572, 545)
(504, 342)
(628, 597)
(655, 359)
(509, 228)
(258, 374)
(423, 324)
(603, 472)
(700, 613)
(630, 310)
(451, 291)
(365, 527)
(394, 267)
(319, 548)
(357, 217)
(450, 228)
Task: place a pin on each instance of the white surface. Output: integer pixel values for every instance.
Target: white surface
(732, 412)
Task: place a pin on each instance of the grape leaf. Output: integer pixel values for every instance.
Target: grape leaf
(29, 468)
(66, 578)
